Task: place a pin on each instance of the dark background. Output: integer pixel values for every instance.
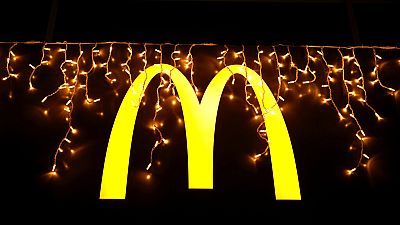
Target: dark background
(319, 142)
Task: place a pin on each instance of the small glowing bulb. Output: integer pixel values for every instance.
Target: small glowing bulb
(165, 141)
(148, 177)
(231, 96)
(257, 156)
(325, 100)
(45, 112)
(350, 172)
(174, 102)
(378, 117)
(74, 131)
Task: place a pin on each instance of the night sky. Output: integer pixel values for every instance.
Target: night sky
(242, 189)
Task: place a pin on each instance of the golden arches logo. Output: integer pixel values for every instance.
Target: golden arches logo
(200, 119)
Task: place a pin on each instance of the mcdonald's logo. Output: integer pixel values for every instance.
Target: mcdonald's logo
(200, 119)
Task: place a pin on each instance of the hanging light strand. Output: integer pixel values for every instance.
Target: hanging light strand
(34, 68)
(261, 132)
(376, 72)
(190, 64)
(308, 69)
(278, 69)
(69, 105)
(11, 56)
(246, 83)
(125, 65)
(360, 134)
(293, 65)
(362, 86)
(158, 108)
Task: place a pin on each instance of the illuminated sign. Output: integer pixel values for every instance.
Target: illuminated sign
(200, 119)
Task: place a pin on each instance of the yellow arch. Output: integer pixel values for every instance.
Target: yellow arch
(200, 122)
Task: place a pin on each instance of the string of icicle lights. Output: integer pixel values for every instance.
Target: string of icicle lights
(120, 62)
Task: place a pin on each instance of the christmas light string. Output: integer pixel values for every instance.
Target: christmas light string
(354, 86)
(292, 65)
(69, 105)
(360, 134)
(160, 138)
(280, 76)
(125, 65)
(190, 64)
(86, 74)
(308, 69)
(11, 55)
(376, 72)
(362, 86)
(261, 131)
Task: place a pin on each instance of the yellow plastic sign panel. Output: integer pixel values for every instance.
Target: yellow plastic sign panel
(200, 122)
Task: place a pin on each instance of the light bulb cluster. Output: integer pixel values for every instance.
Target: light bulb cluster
(75, 80)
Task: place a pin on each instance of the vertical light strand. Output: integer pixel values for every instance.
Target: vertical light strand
(260, 67)
(308, 69)
(62, 86)
(376, 72)
(261, 132)
(222, 58)
(280, 76)
(86, 74)
(352, 115)
(174, 59)
(161, 56)
(158, 108)
(108, 72)
(11, 55)
(246, 82)
(329, 79)
(34, 68)
(190, 64)
(143, 55)
(362, 86)
(293, 65)
(125, 66)
(69, 105)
